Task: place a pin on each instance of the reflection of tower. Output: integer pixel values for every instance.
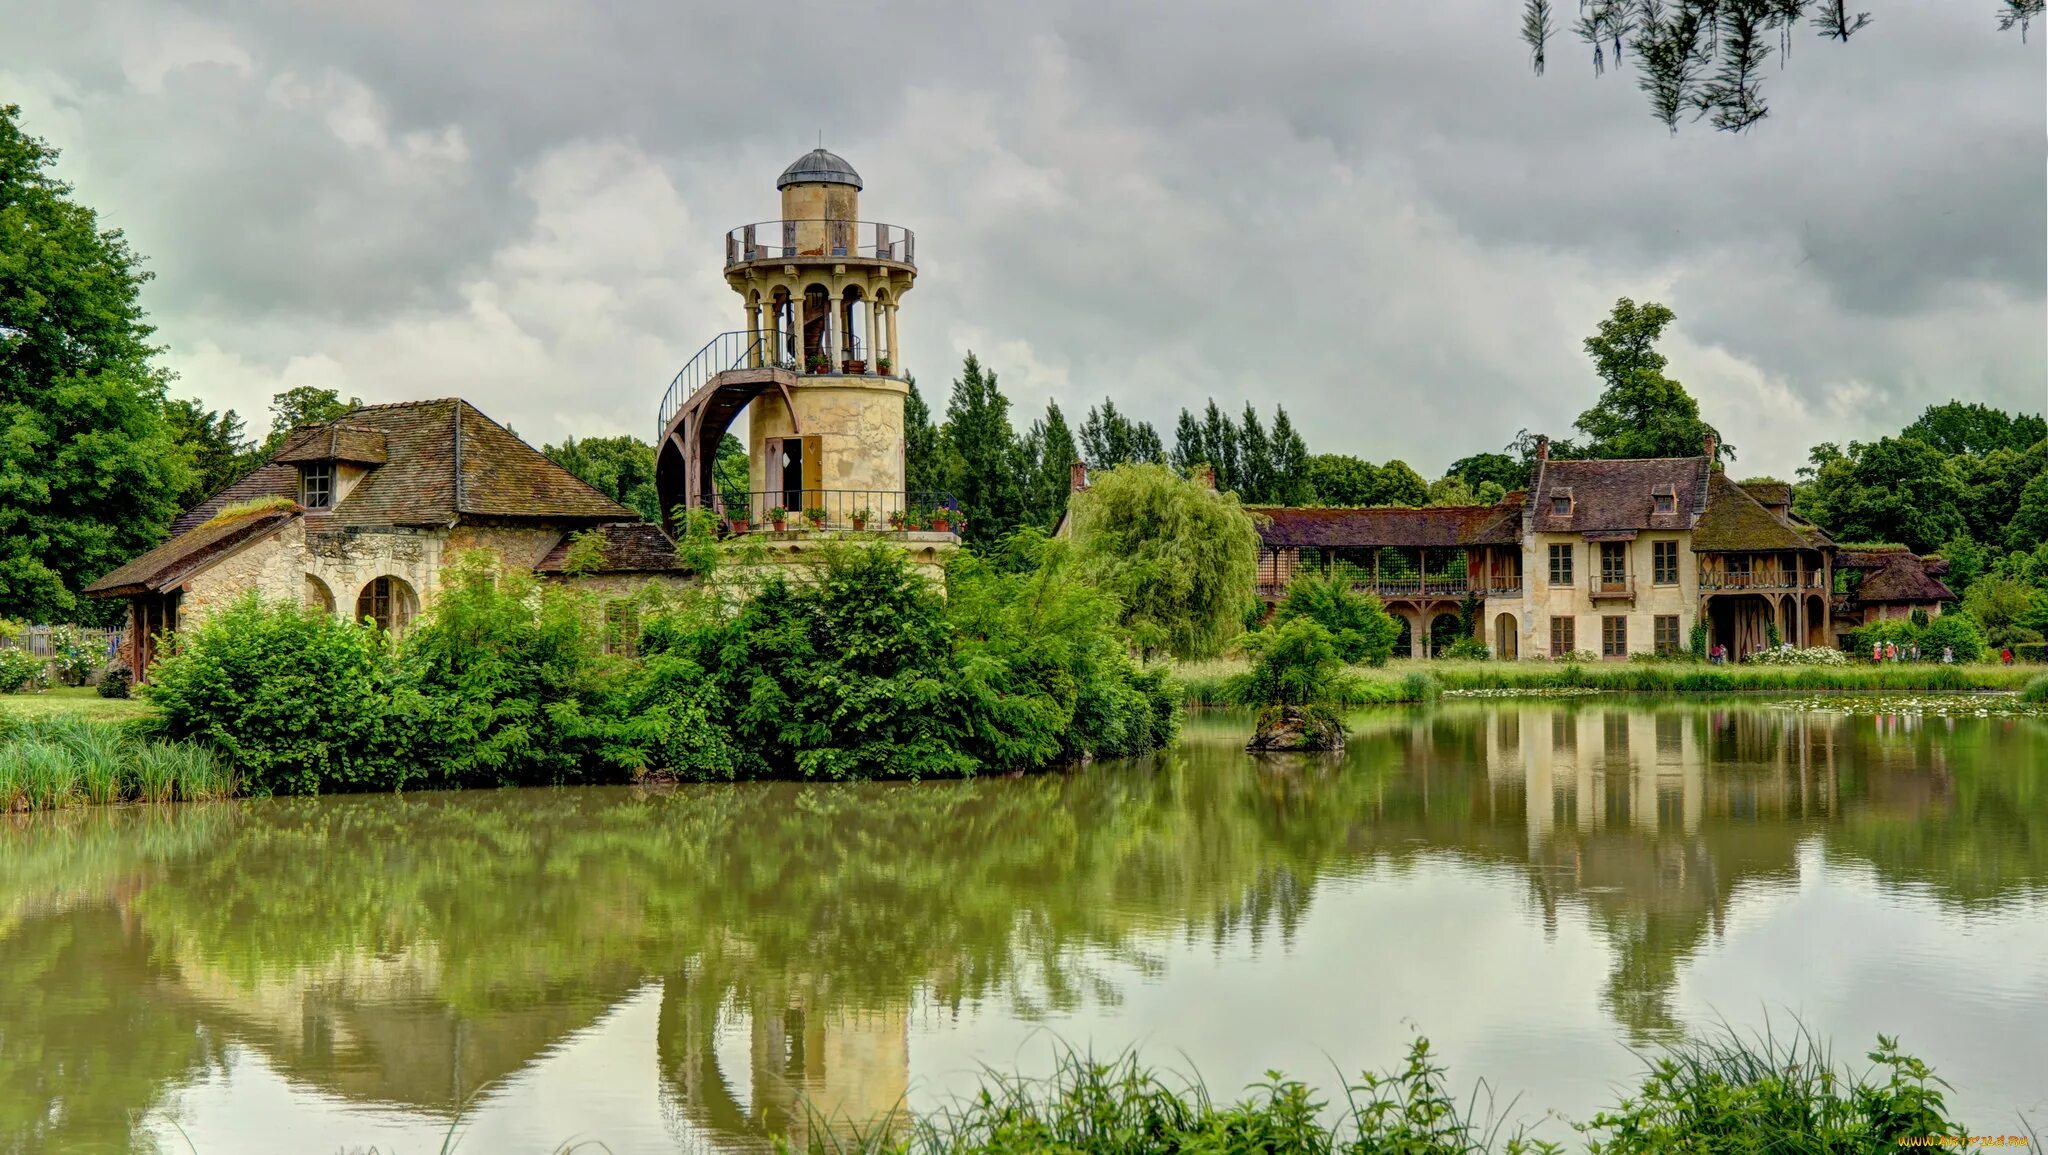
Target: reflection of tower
(808, 1063)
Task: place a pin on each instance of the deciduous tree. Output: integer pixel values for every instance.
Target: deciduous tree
(1182, 558)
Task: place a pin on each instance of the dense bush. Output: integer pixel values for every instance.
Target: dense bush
(849, 665)
(1956, 630)
(117, 682)
(1293, 664)
(508, 679)
(297, 701)
(1467, 649)
(1360, 626)
(19, 670)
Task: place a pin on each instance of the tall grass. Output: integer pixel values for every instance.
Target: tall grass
(1728, 1093)
(1207, 683)
(64, 760)
(2036, 690)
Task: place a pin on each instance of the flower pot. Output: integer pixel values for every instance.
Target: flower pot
(778, 526)
(859, 523)
(942, 525)
(736, 524)
(856, 366)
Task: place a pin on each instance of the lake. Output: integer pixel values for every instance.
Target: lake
(1543, 888)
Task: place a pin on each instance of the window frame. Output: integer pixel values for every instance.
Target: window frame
(1562, 575)
(1562, 500)
(1658, 553)
(1617, 552)
(1564, 629)
(1664, 646)
(324, 471)
(1614, 635)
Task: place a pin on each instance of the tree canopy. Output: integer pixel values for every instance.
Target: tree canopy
(1706, 58)
(90, 472)
(1182, 558)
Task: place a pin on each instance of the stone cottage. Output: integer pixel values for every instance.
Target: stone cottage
(359, 516)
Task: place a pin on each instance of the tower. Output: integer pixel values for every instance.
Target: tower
(816, 366)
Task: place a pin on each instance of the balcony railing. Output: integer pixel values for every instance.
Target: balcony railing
(1766, 580)
(835, 511)
(1412, 587)
(1612, 589)
(792, 240)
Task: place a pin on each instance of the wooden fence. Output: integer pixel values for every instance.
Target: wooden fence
(36, 640)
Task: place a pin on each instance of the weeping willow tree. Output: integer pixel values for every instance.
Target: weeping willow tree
(1705, 58)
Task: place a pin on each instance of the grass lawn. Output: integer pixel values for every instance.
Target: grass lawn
(83, 701)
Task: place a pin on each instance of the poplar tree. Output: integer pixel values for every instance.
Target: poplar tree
(1290, 463)
(1055, 454)
(924, 451)
(1110, 439)
(981, 455)
(1254, 459)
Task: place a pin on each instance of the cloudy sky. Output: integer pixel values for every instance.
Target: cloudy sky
(1368, 211)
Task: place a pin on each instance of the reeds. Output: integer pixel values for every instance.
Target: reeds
(57, 761)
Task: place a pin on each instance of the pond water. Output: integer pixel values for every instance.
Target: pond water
(1541, 888)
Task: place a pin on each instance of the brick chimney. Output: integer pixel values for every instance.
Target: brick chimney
(1543, 449)
(1713, 446)
(1080, 474)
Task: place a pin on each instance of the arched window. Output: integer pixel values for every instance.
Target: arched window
(388, 602)
(318, 596)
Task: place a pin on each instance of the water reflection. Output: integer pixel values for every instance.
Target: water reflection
(410, 953)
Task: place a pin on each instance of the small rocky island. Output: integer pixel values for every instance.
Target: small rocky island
(1304, 728)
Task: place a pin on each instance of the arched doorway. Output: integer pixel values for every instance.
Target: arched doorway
(1443, 630)
(1506, 638)
(318, 595)
(389, 602)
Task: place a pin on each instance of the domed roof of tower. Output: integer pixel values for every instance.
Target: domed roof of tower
(819, 167)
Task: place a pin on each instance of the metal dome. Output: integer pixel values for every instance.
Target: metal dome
(818, 167)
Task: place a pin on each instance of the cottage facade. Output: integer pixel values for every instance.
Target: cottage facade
(360, 516)
(1611, 558)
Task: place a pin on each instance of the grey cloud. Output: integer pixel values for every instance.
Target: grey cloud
(1369, 212)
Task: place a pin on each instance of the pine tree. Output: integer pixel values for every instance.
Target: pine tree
(1052, 481)
(1255, 458)
(1290, 484)
(982, 455)
(1219, 436)
(924, 457)
(1189, 450)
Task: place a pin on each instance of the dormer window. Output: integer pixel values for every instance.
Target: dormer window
(316, 487)
(1665, 500)
(1561, 504)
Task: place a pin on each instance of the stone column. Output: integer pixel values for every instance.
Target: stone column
(895, 350)
(835, 352)
(800, 314)
(874, 349)
(754, 331)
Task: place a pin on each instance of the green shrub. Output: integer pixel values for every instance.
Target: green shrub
(1360, 626)
(2036, 690)
(117, 682)
(19, 670)
(1959, 632)
(1696, 641)
(72, 659)
(1295, 664)
(1467, 649)
(294, 700)
(509, 681)
(1181, 559)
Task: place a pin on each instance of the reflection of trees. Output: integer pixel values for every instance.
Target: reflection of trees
(411, 950)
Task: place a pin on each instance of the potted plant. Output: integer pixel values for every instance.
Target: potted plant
(856, 365)
(816, 516)
(818, 363)
(942, 520)
(898, 520)
(883, 365)
(777, 516)
(736, 522)
(861, 518)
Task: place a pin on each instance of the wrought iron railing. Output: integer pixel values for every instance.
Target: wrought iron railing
(1412, 587)
(835, 511)
(787, 240)
(735, 350)
(1764, 580)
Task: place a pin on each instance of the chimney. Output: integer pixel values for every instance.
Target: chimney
(1203, 475)
(1713, 447)
(1080, 474)
(1542, 448)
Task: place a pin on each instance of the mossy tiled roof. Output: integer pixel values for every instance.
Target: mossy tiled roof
(1619, 494)
(188, 553)
(1735, 521)
(1893, 575)
(1405, 527)
(626, 547)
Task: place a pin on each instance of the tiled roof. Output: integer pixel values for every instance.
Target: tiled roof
(1768, 492)
(336, 441)
(1620, 494)
(502, 477)
(629, 547)
(170, 563)
(1736, 521)
(1401, 526)
(1893, 575)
